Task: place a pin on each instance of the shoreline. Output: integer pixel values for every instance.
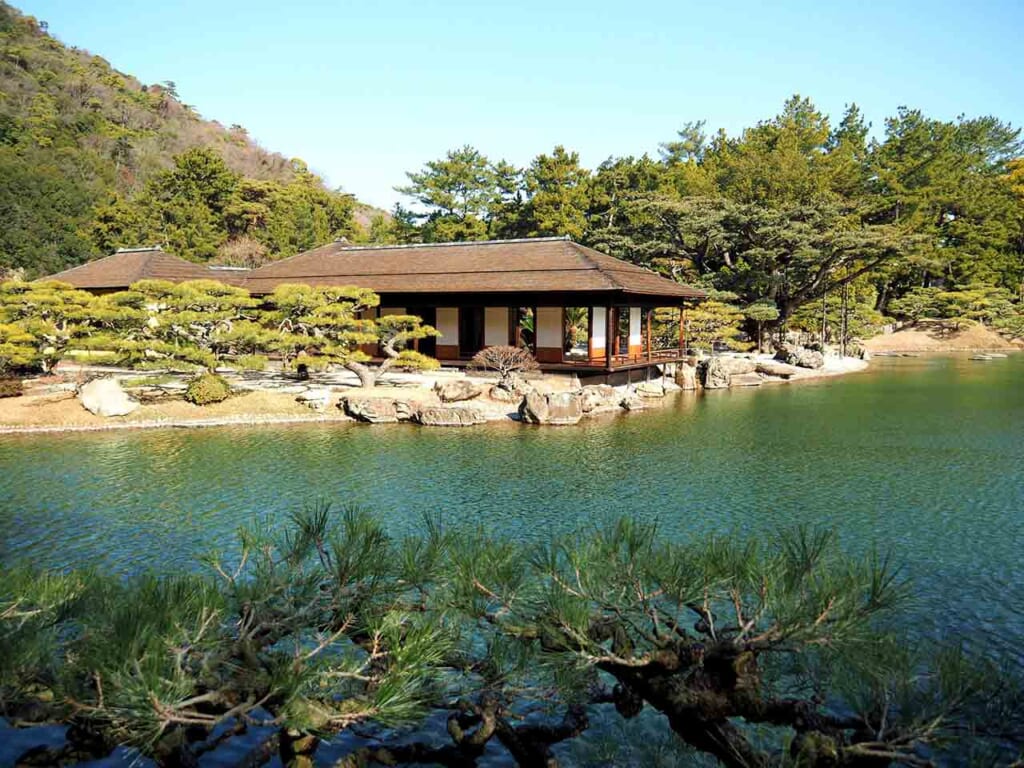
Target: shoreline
(239, 421)
(281, 409)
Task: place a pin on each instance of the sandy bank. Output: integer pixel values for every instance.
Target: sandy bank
(63, 413)
(939, 337)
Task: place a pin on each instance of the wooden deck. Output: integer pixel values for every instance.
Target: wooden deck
(599, 364)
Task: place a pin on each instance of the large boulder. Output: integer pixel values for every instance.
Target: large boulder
(686, 377)
(373, 410)
(737, 365)
(713, 374)
(786, 353)
(503, 395)
(456, 391)
(449, 416)
(104, 397)
(650, 390)
(596, 398)
(809, 358)
(800, 356)
(777, 368)
(558, 408)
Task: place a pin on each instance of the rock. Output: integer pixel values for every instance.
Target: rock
(404, 410)
(686, 377)
(372, 410)
(713, 375)
(745, 380)
(317, 399)
(104, 397)
(809, 358)
(801, 356)
(736, 365)
(786, 354)
(650, 390)
(503, 395)
(559, 408)
(776, 368)
(449, 416)
(632, 403)
(595, 398)
(456, 391)
(669, 385)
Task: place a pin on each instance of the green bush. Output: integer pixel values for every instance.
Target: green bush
(147, 381)
(252, 362)
(11, 388)
(207, 388)
(176, 366)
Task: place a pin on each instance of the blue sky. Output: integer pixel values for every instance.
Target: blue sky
(365, 91)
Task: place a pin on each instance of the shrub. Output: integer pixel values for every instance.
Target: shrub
(11, 388)
(146, 381)
(508, 362)
(175, 366)
(252, 362)
(207, 388)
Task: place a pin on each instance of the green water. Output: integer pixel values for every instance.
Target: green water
(924, 456)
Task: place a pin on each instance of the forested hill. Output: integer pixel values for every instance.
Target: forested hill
(92, 159)
(801, 219)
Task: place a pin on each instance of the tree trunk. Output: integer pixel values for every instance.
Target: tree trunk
(367, 375)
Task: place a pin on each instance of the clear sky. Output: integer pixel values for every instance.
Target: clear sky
(364, 91)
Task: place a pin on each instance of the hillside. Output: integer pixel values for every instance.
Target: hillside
(85, 150)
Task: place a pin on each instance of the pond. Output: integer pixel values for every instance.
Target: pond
(923, 456)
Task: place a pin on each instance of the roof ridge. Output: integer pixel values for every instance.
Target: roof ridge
(294, 256)
(581, 251)
(455, 243)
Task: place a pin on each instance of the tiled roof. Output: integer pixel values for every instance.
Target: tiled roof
(495, 266)
(130, 265)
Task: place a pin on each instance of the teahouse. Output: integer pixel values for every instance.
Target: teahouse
(576, 308)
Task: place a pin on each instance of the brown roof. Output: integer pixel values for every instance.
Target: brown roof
(545, 264)
(132, 264)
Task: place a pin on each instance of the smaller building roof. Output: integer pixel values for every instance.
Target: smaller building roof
(129, 265)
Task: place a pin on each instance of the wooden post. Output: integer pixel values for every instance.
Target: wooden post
(590, 334)
(608, 338)
(563, 334)
(682, 327)
(650, 352)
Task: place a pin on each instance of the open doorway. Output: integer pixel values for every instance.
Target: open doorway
(471, 330)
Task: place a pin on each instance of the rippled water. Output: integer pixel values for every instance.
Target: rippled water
(924, 455)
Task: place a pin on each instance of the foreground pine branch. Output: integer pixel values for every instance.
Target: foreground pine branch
(752, 653)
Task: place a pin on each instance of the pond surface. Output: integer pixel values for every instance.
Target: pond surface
(924, 456)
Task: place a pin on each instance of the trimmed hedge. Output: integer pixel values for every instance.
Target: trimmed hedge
(206, 389)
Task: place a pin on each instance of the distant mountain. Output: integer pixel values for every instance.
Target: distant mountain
(88, 155)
